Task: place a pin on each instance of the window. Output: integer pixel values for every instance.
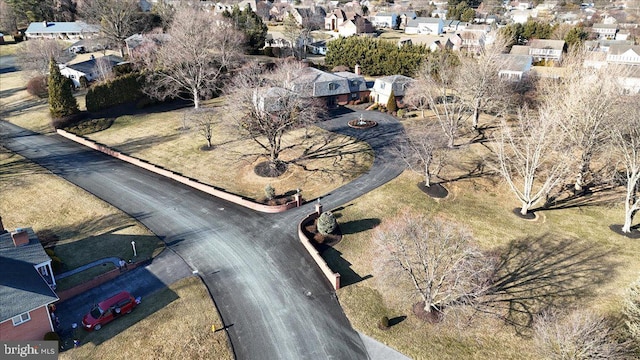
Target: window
(333, 86)
(381, 85)
(22, 318)
(72, 76)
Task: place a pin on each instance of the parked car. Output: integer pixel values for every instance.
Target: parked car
(108, 310)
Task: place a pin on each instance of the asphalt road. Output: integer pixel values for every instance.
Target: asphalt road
(271, 295)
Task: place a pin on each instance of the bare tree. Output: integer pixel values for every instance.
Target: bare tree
(625, 136)
(103, 68)
(530, 156)
(34, 55)
(8, 18)
(198, 51)
(424, 150)
(204, 121)
(270, 103)
(478, 83)
(430, 259)
(118, 19)
(585, 102)
(631, 310)
(579, 335)
(434, 83)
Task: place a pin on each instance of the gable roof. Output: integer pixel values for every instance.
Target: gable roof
(546, 44)
(423, 20)
(22, 288)
(398, 84)
(61, 27)
(519, 50)
(621, 49)
(87, 67)
(515, 62)
(310, 76)
(605, 26)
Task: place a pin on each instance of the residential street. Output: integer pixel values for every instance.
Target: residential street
(271, 295)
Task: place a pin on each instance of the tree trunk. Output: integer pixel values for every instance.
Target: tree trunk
(209, 143)
(476, 115)
(196, 99)
(630, 209)
(422, 113)
(427, 175)
(525, 208)
(582, 172)
(451, 142)
(628, 216)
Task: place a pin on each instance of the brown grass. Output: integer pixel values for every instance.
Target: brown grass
(173, 323)
(484, 205)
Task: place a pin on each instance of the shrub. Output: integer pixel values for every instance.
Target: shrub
(374, 107)
(56, 263)
(37, 86)
(327, 223)
(117, 91)
(51, 336)
(61, 100)
(401, 113)
(391, 103)
(268, 51)
(269, 192)
(84, 83)
(384, 323)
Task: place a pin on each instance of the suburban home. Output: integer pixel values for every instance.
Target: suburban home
(382, 88)
(308, 17)
(450, 26)
(384, 20)
(624, 54)
(473, 41)
(605, 31)
(514, 67)
(630, 82)
(335, 89)
(546, 49)
(440, 13)
(318, 47)
(61, 30)
(522, 16)
(434, 42)
(623, 34)
(423, 25)
(337, 17)
(357, 85)
(137, 44)
(27, 286)
(89, 69)
(357, 25)
(404, 17)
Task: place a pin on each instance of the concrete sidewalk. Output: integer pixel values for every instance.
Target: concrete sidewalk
(380, 351)
(84, 267)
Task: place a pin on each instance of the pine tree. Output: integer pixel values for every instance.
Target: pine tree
(392, 106)
(61, 100)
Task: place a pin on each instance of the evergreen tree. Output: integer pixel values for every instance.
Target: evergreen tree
(576, 36)
(251, 25)
(391, 103)
(61, 100)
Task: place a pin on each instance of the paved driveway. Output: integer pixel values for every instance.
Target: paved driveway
(270, 293)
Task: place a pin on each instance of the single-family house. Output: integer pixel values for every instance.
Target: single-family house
(318, 47)
(605, 31)
(357, 25)
(439, 13)
(310, 18)
(514, 67)
(522, 16)
(90, 69)
(27, 286)
(357, 85)
(404, 17)
(546, 49)
(450, 26)
(473, 41)
(623, 35)
(384, 20)
(630, 81)
(61, 30)
(621, 54)
(384, 86)
(333, 89)
(336, 18)
(450, 41)
(520, 50)
(139, 44)
(423, 25)
(603, 45)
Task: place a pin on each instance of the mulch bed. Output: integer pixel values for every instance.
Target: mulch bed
(278, 200)
(433, 317)
(634, 234)
(365, 125)
(436, 191)
(530, 215)
(320, 241)
(266, 169)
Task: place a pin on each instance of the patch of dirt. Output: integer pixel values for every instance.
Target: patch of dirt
(278, 200)
(207, 148)
(267, 169)
(436, 191)
(530, 215)
(433, 317)
(634, 234)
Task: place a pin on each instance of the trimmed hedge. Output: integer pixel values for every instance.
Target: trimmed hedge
(123, 89)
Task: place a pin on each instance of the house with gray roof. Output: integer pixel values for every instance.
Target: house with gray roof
(90, 69)
(61, 30)
(605, 31)
(514, 67)
(546, 49)
(332, 88)
(424, 25)
(384, 20)
(26, 289)
(384, 86)
(624, 54)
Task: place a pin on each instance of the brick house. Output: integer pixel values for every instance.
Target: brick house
(27, 287)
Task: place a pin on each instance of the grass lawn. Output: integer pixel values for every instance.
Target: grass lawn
(79, 227)
(158, 329)
(8, 48)
(484, 205)
(330, 161)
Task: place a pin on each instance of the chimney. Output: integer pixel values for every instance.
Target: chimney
(20, 237)
(45, 24)
(2, 229)
(357, 70)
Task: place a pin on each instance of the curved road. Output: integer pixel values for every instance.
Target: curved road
(272, 297)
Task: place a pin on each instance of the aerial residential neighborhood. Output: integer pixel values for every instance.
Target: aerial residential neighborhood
(320, 179)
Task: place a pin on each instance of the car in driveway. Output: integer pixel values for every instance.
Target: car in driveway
(108, 310)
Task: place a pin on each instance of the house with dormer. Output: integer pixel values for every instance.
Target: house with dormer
(384, 86)
(26, 290)
(336, 18)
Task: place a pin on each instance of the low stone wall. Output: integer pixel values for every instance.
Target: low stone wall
(96, 281)
(334, 278)
(211, 190)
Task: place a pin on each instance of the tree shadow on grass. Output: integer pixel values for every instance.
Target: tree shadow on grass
(340, 265)
(145, 142)
(595, 196)
(356, 226)
(533, 274)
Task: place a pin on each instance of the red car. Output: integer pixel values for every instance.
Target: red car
(108, 310)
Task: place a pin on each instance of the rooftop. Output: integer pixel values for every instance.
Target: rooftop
(61, 27)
